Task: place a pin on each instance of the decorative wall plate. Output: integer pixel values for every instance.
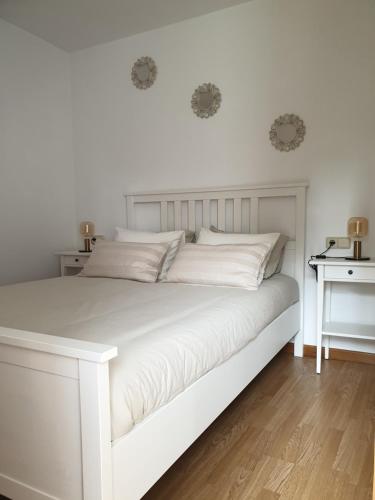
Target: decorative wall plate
(206, 100)
(144, 72)
(287, 132)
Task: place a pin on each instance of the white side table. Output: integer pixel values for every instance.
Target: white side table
(339, 270)
(72, 261)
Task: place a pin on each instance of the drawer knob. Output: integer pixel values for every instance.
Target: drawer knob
(350, 271)
(76, 259)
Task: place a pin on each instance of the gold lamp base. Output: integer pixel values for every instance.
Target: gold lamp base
(87, 230)
(87, 244)
(357, 252)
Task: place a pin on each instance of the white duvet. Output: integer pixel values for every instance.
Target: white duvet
(168, 335)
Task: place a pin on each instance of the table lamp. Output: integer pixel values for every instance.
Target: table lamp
(87, 230)
(357, 229)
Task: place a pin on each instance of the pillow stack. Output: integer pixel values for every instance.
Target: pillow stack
(271, 264)
(132, 261)
(222, 265)
(174, 240)
(275, 259)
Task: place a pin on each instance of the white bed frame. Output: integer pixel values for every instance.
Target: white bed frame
(55, 437)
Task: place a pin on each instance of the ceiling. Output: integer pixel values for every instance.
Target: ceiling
(78, 24)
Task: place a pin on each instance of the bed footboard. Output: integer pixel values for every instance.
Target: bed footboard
(55, 429)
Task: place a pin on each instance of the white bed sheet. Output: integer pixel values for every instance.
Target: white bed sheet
(168, 335)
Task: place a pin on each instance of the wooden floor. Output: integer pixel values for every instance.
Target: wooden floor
(291, 434)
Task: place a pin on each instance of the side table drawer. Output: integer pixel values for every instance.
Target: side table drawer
(75, 261)
(349, 273)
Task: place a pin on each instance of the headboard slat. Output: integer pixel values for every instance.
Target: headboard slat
(177, 214)
(206, 216)
(221, 214)
(191, 215)
(254, 215)
(237, 215)
(164, 216)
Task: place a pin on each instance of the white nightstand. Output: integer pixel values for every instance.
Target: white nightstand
(339, 270)
(72, 261)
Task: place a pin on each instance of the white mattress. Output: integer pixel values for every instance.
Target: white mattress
(168, 335)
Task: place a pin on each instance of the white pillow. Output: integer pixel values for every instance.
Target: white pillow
(222, 265)
(133, 261)
(173, 238)
(208, 237)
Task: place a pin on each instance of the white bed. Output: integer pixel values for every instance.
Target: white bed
(176, 356)
(167, 335)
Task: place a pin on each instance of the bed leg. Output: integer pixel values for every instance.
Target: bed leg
(95, 431)
(298, 344)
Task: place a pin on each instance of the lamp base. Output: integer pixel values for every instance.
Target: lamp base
(357, 258)
(87, 244)
(357, 251)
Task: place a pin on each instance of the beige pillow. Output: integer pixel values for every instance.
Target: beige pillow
(223, 265)
(275, 260)
(212, 236)
(133, 261)
(173, 238)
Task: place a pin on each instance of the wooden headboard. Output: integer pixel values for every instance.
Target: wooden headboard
(252, 209)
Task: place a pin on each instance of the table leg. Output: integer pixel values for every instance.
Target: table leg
(328, 294)
(326, 348)
(319, 319)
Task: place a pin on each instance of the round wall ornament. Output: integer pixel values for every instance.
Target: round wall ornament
(144, 72)
(287, 132)
(206, 100)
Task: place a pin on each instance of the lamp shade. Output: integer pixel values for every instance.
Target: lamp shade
(357, 227)
(87, 229)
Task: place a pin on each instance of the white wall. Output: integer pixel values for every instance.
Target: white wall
(313, 58)
(37, 193)
(269, 57)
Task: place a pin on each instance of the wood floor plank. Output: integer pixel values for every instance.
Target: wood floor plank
(267, 495)
(290, 435)
(320, 472)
